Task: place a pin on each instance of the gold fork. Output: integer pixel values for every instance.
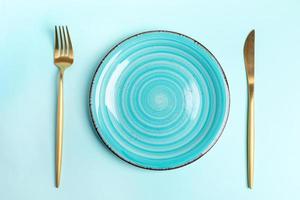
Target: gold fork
(63, 58)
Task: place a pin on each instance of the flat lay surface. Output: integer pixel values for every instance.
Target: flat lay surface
(28, 98)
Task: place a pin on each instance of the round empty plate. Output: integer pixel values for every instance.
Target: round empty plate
(159, 100)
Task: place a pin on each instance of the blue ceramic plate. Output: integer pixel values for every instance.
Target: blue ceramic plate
(159, 100)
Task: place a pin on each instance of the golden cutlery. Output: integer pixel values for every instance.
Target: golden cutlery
(249, 64)
(63, 58)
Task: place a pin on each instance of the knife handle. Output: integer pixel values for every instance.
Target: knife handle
(250, 136)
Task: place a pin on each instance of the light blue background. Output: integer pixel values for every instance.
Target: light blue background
(28, 99)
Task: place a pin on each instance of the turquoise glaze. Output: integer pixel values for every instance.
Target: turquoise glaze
(159, 100)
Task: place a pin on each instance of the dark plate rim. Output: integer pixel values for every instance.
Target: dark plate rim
(99, 132)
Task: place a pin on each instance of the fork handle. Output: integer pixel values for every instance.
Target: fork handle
(59, 129)
(250, 137)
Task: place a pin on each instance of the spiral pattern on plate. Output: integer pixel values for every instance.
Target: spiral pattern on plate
(159, 100)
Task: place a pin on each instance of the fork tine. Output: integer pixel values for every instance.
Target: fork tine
(65, 49)
(56, 50)
(70, 43)
(61, 46)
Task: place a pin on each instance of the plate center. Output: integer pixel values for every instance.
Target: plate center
(160, 99)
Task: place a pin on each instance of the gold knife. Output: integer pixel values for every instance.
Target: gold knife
(249, 64)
